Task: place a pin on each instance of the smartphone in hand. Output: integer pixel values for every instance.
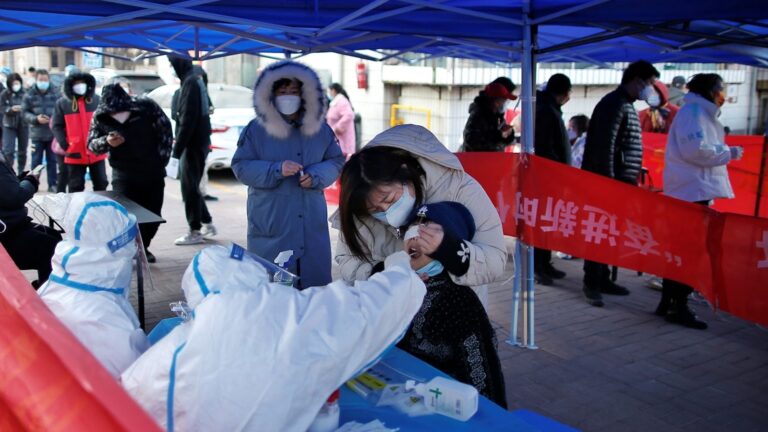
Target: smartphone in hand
(37, 171)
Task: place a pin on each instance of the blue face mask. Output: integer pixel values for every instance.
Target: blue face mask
(432, 269)
(43, 85)
(399, 211)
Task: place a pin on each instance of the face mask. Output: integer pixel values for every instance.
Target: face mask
(121, 117)
(654, 100)
(287, 104)
(398, 212)
(720, 98)
(572, 134)
(646, 92)
(43, 85)
(16, 88)
(432, 269)
(80, 89)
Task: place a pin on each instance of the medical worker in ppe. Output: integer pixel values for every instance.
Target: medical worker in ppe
(259, 356)
(92, 267)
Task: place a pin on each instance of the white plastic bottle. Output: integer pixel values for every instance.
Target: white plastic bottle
(327, 419)
(282, 261)
(447, 397)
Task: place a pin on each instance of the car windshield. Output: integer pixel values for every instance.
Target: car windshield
(142, 84)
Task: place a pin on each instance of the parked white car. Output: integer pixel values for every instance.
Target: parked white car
(233, 110)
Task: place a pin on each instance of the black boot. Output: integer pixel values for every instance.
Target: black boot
(542, 278)
(552, 272)
(593, 296)
(680, 313)
(612, 288)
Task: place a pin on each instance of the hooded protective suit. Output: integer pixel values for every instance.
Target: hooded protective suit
(88, 289)
(283, 215)
(259, 356)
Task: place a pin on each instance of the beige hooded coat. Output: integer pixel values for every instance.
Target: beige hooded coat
(445, 180)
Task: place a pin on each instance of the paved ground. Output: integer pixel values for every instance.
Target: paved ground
(617, 368)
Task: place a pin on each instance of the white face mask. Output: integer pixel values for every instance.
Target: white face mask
(288, 104)
(16, 87)
(121, 117)
(647, 92)
(572, 134)
(398, 212)
(80, 89)
(654, 100)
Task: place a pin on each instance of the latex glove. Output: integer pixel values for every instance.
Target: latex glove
(737, 152)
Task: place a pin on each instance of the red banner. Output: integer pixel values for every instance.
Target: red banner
(48, 380)
(554, 206)
(744, 174)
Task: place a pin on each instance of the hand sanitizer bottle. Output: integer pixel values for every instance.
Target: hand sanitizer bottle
(282, 262)
(447, 397)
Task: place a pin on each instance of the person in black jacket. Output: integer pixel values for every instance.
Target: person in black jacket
(30, 245)
(137, 134)
(551, 142)
(614, 149)
(486, 129)
(193, 141)
(15, 130)
(38, 105)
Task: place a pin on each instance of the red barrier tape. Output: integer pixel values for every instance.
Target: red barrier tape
(48, 380)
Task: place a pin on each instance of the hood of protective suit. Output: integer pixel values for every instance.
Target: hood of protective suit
(181, 66)
(216, 268)
(314, 104)
(88, 288)
(260, 356)
(99, 243)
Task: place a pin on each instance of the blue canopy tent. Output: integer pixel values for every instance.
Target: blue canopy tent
(525, 31)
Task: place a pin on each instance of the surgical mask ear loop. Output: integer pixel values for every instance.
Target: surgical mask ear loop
(5, 227)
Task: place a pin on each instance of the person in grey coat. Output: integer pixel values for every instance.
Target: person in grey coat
(287, 156)
(38, 105)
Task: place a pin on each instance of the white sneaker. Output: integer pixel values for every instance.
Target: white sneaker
(192, 237)
(209, 230)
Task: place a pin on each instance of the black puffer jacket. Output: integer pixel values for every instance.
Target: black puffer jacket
(193, 127)
(147, 133)
(614, 146)
(35, 103)
(551, 140)
(9, 99)
(483, 129)
(15, 194)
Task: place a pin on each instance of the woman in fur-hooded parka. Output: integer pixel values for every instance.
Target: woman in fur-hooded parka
(283, 215)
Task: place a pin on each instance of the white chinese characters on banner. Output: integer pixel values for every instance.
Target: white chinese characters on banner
(763, 263)
(561, 217)
(597, 227)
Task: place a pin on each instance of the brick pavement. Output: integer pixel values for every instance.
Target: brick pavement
(617, 368)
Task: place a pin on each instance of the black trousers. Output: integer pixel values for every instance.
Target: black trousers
(596, 274)
(145, 190)
(62, 175)
(191, 168)
(541, 258)
(98, 173)
(31, 247)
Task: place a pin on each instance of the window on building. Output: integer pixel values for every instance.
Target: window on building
(69, 57)
(54, 58)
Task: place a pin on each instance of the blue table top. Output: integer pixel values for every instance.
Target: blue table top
(489, 416)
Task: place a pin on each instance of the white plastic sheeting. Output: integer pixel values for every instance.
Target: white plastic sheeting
(92, 267)
(259, 356)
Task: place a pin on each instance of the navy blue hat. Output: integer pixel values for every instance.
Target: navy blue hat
(455, 219)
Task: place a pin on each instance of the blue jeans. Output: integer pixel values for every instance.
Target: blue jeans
(11, 137)
(40, 148)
